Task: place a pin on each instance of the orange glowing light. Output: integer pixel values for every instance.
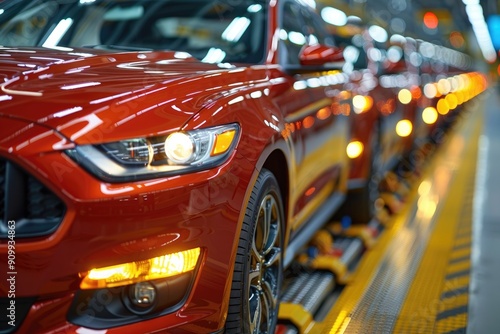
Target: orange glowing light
(386, 107)
(405, 96)
(457, 40)
(443, 107)
(345, 109)
(431, 20)
(324, 113)
(310, 191)
(452, 101)
(416, 92)
(362, 103)
(344, 95)
(430, 115)
(308, 122)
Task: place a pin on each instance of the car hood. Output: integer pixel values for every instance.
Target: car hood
(101, 96)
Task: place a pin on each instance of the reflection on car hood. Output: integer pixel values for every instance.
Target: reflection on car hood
(88, 97)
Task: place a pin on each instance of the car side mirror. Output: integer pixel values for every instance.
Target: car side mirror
(317, 58)
(320, 55)
(395, 67)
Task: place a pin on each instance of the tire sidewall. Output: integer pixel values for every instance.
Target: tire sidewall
(265, 184)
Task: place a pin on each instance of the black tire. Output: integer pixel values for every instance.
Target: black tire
(361, 203)
(258, 270)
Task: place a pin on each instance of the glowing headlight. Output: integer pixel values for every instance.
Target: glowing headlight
(355, 149)
(144, 158)
(404, 128)
(404, 96)
(179, 147)
(362, 103)
(430, 115)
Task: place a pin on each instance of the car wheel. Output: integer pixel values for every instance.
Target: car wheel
(362, 206)
(376, 174)
(258, 270)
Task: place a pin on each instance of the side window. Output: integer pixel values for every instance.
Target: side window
(300, 26)
(292, 37)
(316, 30)
(27, 28)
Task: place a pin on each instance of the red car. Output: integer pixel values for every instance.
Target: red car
(382, 121)
(148, 190)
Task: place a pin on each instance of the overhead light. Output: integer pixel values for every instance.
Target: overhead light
(378, 33)
(214, 55)
(235, 29)
(57, 34)
(475, 14)
(334, 16)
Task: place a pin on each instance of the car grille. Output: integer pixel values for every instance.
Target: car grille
(36, 210)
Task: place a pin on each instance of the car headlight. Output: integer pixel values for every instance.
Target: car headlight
(145, 158)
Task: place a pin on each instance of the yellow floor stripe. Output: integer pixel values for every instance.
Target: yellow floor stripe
(456, 283)
(458, 254)
(437, 300)
(457, 268)
(453, 301)
(463, 240)
(338, 318)
(451, 324)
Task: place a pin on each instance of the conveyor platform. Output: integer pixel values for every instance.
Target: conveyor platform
(422, 269)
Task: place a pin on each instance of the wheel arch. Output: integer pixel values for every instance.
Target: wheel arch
(277, 164)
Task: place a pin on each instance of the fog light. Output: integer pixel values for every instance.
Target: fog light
(167, 265)
(141, 298)
(143, 294)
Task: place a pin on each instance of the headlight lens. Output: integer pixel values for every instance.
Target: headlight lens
(144, 158)
(133, 272)
(179, 147)
(130, 152)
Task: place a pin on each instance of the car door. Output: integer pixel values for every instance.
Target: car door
(315, 116)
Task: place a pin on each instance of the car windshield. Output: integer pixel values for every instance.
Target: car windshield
(214, 31)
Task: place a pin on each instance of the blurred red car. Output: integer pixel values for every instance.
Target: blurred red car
(383, 91)
(147, 190)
